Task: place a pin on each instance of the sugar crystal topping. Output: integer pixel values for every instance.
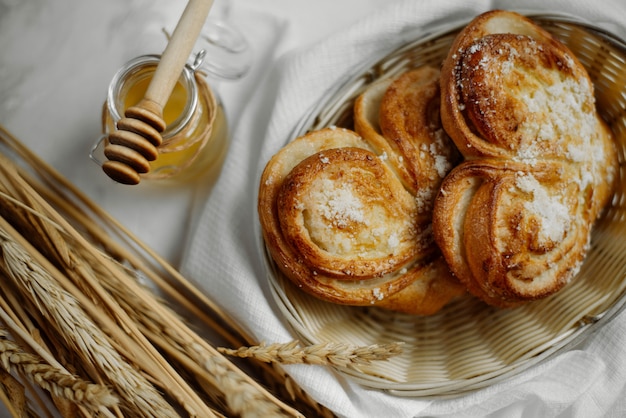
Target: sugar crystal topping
(553, 214)
(342, 206)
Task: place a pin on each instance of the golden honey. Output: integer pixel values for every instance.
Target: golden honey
(175, 104)
(195, 139)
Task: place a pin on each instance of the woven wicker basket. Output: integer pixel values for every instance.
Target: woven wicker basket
(469, 345)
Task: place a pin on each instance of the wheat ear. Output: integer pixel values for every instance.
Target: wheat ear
(336, 354)
(57, 382)
(52, 191)
(243, 397)
(79, 331)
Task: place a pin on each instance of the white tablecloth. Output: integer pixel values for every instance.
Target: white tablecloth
(56, 59)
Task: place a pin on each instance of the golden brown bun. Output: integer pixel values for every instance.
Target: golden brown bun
(341, 218)
(400, 119)
(513, 221)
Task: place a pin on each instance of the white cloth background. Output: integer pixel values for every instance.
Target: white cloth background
(223, 256)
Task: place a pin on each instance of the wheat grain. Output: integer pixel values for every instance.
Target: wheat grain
(58, 207)
(57, 382)
(167, 330)
(161, 372)
(79, 331)
(336, 354)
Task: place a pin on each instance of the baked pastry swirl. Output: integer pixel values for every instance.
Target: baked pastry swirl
(343, 225)
(400, 118)
(514, 219)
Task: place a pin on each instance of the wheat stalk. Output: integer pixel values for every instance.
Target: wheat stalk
(243, 397)
(275, 377)
(84, 274)
(141, 305)
(48, 208)
(13, 315)
(329, 353)
(55, 381)
(78, 330)
(129, 337)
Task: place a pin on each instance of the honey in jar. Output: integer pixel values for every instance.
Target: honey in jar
(195, 139)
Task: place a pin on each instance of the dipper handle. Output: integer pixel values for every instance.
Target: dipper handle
(138, 134)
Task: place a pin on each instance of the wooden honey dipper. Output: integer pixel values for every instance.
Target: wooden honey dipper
(134, 144)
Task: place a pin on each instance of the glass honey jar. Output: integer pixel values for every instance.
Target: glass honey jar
(195, 139)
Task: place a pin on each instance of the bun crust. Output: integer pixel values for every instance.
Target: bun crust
(341, 212)
(514, 219)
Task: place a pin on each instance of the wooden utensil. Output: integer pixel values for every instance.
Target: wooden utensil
(134, 144)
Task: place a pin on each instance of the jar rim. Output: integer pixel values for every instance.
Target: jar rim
(134, 67)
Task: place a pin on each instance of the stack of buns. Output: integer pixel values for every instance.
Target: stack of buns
(483, 177)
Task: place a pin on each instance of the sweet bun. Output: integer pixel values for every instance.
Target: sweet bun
(514, 219)
(400, 118)
(342, 215)
(486, 176)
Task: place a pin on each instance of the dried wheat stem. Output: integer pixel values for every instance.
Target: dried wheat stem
(152, 273)
(287, 386)
(50, 186)
(164, 374)
(55, 381)
(167, 377)
(43, 231)
(108, 243)
(231, 336)
(242, 397)
(77, 328)
(152, 361)
(54, 194)
(171, 334)
(232, 394)
(18, 203)
(28, 336)
(336, 354)
(241, 393)
(8, 318)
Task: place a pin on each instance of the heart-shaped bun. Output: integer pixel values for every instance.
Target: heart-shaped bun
(514, 219)
(346, 216)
